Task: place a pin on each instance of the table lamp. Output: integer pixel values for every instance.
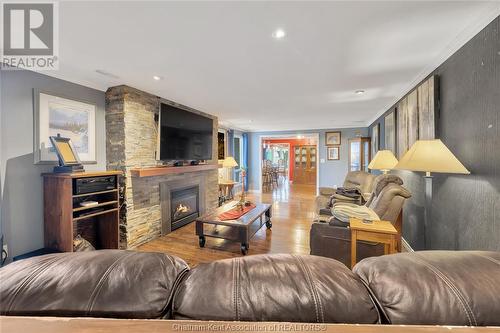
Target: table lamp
(430, 156)
(384, 161)
(228, 163)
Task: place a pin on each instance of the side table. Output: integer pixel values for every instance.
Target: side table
(378, 231)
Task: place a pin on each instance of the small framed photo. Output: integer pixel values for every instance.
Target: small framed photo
(333, 153)
(332, 138)
(65, 150)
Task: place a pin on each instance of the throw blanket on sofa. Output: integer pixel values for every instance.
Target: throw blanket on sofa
(346, 192)
(343, 212)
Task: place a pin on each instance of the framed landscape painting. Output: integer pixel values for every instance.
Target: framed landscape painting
(332, 138)
(375, 139)
(390, 132)
(56, 115)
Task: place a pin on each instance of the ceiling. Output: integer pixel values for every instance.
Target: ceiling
(221, 58)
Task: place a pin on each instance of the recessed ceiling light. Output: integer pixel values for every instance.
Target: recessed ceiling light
(279, 34)
(157, 78)
(359, 92)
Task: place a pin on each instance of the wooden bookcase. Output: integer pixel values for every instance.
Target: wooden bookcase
(64, 218)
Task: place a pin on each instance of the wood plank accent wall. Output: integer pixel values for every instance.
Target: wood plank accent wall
(465, 208)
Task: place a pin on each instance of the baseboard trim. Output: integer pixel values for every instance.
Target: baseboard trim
(406, 246)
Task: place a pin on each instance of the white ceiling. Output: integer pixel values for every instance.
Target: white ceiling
(220, 57)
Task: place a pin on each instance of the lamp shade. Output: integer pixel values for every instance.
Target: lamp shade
(431, 156)
(383, 160)
(229, 162)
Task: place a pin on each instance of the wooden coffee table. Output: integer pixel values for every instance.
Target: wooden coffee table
(240, 230)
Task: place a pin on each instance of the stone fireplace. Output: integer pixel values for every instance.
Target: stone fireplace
(131, 139)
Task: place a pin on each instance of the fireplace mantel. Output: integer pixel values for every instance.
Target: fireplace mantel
(167, 170)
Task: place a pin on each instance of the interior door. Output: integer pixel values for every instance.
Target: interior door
(354, 155)
(359, 154)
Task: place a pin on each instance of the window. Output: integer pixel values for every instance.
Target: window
(238, 151)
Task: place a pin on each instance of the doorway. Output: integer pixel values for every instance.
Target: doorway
(288, 161)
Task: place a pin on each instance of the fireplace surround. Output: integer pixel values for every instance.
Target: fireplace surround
(131, 142)
(184, 205)
(176, 196)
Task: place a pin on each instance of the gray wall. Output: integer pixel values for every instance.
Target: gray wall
(22, 204)
(465, 209)
(330, 172)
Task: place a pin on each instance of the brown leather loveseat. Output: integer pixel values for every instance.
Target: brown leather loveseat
(430, 287)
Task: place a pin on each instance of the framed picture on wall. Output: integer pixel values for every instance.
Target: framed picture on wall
(375, 139)
(69, 118)
(390, 132)
(332, 138)
(333, 153)
(221, 145)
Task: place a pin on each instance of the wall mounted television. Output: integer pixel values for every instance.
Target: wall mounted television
(184, 135)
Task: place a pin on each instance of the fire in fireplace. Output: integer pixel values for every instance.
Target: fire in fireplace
(184, 205)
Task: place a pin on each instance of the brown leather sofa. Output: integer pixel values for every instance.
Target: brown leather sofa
(361, 180)
(435, 287)
(430, 287)
(333, 239)
(105, 283)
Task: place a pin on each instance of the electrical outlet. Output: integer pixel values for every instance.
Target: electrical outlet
(6, 249)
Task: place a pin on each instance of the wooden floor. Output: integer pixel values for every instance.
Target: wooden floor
(293, 212)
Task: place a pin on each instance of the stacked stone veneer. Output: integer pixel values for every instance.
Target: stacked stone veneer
(131, 141)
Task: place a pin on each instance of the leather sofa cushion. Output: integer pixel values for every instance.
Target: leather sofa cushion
(105, 283)
(435, 287)
(278, 287)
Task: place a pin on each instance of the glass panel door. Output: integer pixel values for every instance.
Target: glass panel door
(355, 157)
(366, 155)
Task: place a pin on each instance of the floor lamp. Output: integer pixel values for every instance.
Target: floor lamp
(430, 156)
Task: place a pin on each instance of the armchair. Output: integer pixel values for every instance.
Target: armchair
(361, 180)
(333, 239)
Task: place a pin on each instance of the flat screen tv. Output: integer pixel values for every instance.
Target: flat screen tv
(184, 135)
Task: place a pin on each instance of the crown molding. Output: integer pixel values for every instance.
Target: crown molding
(488, 15)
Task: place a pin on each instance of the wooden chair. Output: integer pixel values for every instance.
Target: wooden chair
(282, 172)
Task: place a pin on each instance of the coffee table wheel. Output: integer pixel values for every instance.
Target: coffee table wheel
(269, 225)
(201, 241)
(244, 248)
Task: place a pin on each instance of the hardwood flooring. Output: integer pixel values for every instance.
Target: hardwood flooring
(293, 212)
